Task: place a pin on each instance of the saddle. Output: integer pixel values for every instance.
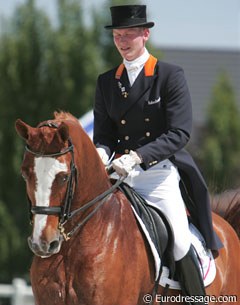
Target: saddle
(160, 232)
(157, 225)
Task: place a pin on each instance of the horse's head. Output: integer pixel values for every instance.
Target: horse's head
(49, 171)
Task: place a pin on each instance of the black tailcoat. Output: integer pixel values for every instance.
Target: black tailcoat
(154, 118)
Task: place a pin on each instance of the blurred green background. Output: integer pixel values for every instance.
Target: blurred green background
(46, 67)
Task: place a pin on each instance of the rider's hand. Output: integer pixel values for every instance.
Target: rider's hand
(103, 155)
(126, 163)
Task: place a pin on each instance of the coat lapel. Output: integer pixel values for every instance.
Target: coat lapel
(139, 92)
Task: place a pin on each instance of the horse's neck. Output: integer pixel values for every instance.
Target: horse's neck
(92, 180)
(106, 225)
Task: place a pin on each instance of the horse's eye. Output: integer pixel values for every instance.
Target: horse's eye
(24, 177)
(25, 174)
(62, 178)
(65, 178)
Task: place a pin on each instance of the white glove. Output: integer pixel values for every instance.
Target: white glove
(103, 155)
(126, 163)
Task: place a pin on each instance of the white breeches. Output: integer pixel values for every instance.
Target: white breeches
(159, 186)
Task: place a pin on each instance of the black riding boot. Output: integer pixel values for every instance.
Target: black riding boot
(190, 278)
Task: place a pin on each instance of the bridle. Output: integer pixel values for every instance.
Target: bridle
(63, 211)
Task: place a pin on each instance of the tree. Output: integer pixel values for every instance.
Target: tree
(221, 144)
(42, 68)
(10, 244)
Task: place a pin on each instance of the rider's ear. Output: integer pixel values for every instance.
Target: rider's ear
(63, 131)
(22, 129)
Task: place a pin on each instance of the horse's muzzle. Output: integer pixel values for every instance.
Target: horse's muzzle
(45, 249)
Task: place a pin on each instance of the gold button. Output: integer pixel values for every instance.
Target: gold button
(147, 120)
(126, 151)
(126, 138)
(123, 122)
(148, 134)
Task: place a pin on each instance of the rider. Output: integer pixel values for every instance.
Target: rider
(142, 112)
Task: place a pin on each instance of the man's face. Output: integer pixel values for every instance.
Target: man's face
(130, 42)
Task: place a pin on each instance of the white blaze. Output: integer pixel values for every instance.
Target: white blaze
(45, 169)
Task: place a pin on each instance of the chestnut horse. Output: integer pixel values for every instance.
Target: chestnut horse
(87, 244)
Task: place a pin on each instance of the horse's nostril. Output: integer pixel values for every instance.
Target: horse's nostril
(33, 246)
(53, 245)
(43, 248)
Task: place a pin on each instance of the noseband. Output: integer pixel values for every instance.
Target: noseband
(63, 211)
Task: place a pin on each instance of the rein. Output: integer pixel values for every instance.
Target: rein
(102, 198)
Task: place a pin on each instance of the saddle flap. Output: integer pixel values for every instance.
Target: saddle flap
(156, 224)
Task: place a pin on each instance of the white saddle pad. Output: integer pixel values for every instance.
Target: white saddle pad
(205, 258)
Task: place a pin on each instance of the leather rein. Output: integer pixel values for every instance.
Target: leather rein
(64, 211)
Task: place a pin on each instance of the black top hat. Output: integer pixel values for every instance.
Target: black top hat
(129, 16)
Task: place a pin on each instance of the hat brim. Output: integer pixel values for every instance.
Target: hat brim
(138, 25)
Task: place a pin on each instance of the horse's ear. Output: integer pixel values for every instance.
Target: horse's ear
(63, 131)
(22, 129)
